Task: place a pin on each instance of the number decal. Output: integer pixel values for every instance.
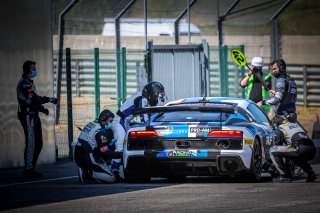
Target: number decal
(169, 130)
(238, 57)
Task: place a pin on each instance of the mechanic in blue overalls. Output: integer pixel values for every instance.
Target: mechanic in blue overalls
(94, 149)
(152, 94)
(285, 95)
(291, 142)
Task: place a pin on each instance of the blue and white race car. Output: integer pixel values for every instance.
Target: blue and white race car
(199, 137)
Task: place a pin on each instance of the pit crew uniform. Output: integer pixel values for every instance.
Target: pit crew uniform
(93, 150)
(30, 104)
(299, 148)
(121, 122)
(285, 97)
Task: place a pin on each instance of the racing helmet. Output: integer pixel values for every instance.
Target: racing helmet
(154, 91)
(105, 115)
(257, 62)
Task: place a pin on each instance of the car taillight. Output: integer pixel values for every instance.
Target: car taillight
(146, 133)
(225, 133)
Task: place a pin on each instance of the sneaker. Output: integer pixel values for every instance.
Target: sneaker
(299, 172)
(311, 177)
(281, 179)
(85, 176)
(273, 171)
(31, 173)
(82, 175)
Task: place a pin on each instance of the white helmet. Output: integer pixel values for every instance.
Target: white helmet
(257, 62)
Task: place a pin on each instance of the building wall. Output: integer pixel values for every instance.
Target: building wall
(25, 35)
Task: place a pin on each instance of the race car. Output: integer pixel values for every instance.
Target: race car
(201, 136)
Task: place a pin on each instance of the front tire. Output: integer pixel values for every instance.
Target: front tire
(256, 162)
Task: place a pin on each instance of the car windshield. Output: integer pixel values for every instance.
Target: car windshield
(192, 116)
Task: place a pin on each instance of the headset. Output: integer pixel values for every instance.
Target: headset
(282, 65)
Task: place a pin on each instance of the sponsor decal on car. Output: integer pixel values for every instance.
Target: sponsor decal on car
(199, 129)
(175, 131)
(248, 141)
(187, 131)
(182, 153)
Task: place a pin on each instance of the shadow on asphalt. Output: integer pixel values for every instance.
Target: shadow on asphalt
(60, 183)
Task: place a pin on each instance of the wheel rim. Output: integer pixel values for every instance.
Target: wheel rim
(257, 157)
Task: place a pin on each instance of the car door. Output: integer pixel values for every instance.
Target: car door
(262, 121)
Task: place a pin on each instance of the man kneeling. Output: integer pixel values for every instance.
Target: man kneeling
(94, 149)
(291, 142)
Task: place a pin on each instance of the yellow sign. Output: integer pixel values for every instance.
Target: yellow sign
(248, 142)
(238, 57)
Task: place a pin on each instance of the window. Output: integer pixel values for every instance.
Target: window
(258, 114)
(192, 116)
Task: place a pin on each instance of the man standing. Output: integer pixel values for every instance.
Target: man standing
(285, 95)
(30, 104)
(255, 90)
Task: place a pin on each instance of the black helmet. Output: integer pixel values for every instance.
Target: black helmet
(154, 91)
(278, 119)
(105, 115)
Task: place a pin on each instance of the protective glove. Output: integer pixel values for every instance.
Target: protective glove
(53, 100)
(249, 72)
(45, 111)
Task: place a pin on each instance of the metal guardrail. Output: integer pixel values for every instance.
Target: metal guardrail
(82, 73)
(307, 78)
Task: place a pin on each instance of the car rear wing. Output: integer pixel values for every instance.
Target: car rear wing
(159, 109)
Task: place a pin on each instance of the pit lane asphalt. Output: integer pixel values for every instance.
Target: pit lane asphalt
(60, 191)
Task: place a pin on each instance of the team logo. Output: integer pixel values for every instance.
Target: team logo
(199, 129)
(182, 153)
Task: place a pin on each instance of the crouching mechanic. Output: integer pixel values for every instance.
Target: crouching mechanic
(291, 142)
(95, 147)
(151, 95)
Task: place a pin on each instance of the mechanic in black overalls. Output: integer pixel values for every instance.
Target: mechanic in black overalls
(30, 104)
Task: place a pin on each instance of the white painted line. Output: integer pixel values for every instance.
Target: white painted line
(38, 181)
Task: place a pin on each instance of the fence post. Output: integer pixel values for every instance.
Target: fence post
(78, 78)
(124, 74)
(138, 76)
(69, 100)
(223, 62)
(97, 81)
(305, 91)
(119, 86)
